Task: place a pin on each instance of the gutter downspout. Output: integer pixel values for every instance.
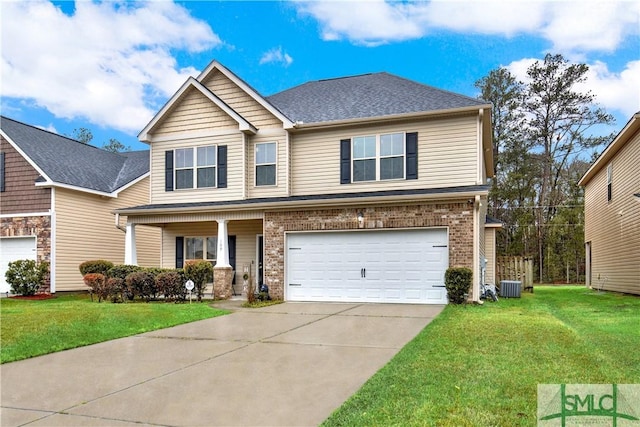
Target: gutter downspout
(118, 226)
(476, 250)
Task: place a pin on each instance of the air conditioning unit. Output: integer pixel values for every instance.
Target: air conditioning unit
(510, 288)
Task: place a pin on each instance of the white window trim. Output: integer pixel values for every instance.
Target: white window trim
(204, 248)
(194, 168)
(379, 156)
(255, 165)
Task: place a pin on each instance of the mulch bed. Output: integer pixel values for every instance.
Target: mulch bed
(36, 297)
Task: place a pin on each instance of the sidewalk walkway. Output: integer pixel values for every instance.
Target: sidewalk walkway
(290, 364)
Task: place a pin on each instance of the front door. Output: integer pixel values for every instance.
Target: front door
(260, 257)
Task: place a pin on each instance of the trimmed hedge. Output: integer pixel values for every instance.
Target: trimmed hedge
(458, 280)
(95, 266)
(200, 272)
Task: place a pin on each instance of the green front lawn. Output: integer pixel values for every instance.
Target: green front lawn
(480, 365)
(33, 328)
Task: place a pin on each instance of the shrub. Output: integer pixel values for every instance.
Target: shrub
(458, 282)
(95, 266)
(171, 285)
(121, 271)
(200, 272)
(98, 284)
(25, 276)
(142, 284)
(116, 289)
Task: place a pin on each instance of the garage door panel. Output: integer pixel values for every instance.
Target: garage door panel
(399, 266)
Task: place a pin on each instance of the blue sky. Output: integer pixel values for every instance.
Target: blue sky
(110, 66)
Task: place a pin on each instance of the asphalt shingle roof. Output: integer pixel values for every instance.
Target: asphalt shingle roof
(67, 161)
(364, 96)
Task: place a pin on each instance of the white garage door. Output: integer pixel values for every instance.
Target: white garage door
(398, 266)
(13, 249)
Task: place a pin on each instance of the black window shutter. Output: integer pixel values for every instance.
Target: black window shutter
(412, 155)
(222, 166)
(1, 171)
(179, 252)
(345, 161)
(168, 170)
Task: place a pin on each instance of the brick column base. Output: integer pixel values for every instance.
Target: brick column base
(222, 277)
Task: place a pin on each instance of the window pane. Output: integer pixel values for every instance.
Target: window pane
(207, 156)
(184, 178)
(193, 248)
(364, 146)
(265, 153)
(364, 170)
(212, 248)
(266, 175)
(392, 168)
(184, 158)
(206, 177)
(392, 144)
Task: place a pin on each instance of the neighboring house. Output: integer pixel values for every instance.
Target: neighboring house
(612, 214)
(363, 188)
(56, 198)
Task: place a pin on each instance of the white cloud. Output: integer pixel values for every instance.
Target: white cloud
(50, 127)
(571, 26)
(616, 92)
(366, 22)
(276, 55)
(110, 62)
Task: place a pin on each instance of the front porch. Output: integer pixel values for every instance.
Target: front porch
(233, 246)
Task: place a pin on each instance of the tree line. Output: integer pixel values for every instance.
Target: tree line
(544, 135)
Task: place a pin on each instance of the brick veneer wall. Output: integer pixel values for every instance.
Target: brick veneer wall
(457, 216)
(25, 226)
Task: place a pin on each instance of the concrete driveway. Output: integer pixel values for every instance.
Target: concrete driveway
(288, 364)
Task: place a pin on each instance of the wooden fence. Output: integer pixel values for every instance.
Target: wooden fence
(515, 268)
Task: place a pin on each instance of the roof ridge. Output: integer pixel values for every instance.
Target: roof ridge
(346, 77)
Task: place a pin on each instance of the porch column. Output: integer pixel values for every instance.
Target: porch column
(223, 244)
(222, 272)
(130, 256)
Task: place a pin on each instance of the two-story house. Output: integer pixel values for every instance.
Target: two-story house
(56, 198)
(612, 214)
(363, 188)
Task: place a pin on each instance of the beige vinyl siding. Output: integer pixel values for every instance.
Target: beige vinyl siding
(613, 228)
(245, 232)
(235, 148)
(280, 189)
(240, 101)
(490, 255)
(447, 156)
(85, 230)
(194, 112)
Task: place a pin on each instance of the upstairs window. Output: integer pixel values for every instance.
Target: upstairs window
(184, 168)
(202, 175)
(392, 156)
(266, 154)
(206, 167)
(378, 157)
(609, 179)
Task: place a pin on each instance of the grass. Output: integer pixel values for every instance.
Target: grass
(34, 328)
(480, 365)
